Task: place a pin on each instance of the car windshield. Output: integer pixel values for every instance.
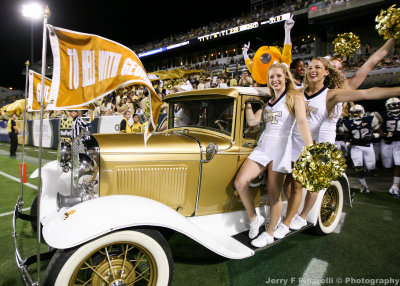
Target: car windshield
(215, 114)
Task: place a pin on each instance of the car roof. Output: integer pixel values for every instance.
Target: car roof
(231, 92)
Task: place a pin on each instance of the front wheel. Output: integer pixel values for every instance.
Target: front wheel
(131, 257)
(331, 209)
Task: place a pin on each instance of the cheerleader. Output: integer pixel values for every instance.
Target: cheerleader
(278, 114)
(322, 96)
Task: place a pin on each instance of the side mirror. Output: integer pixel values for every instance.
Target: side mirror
(211, 150)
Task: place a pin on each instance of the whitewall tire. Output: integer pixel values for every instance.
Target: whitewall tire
(331, 209)
(129, 257)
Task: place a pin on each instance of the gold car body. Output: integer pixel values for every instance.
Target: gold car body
(171, 167)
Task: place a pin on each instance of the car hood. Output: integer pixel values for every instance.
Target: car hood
(166, 142)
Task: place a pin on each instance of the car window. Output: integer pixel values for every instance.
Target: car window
(213, 114)
(253, 132)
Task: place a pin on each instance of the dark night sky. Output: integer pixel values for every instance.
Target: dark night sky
(126, 22)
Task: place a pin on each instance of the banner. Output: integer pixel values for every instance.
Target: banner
(87, 67)
(35, 83)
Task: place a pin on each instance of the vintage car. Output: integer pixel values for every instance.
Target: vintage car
(109, 203)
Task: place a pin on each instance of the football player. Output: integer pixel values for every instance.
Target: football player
(360, 130)
(390, 147)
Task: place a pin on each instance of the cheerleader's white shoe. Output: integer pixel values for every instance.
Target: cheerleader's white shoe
(255, 226)
(262, 240)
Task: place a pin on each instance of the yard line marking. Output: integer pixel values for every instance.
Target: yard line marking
(340, 224)
(314, 273)
(10, 213)
(18, 180)
(387, 215)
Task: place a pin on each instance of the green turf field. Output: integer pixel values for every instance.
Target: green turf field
(365, 250)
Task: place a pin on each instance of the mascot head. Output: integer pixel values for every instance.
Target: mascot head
(262, 60)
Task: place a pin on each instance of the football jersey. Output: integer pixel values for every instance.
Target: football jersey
(391, 123)
(360, 130)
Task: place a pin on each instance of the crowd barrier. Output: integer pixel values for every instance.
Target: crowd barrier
(57, 129)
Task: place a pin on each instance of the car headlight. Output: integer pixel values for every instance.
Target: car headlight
(84, 169)
(64, 154)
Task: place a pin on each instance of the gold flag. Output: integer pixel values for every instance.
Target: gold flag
(87, 67)
(35, 83)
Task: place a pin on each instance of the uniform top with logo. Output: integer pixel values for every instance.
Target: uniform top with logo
(316, 113)
(360, 130)
(327, 131)
(390, 125)
(272, 143)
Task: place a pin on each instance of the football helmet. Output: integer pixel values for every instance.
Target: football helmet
(357, 112)
(393, 105)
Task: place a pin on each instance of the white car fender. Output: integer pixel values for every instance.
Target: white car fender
(93, 218)
(54, 181)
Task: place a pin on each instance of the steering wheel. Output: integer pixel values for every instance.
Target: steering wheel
(220, 126)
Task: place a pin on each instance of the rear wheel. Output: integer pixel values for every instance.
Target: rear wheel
(331, 209)
(139, 257)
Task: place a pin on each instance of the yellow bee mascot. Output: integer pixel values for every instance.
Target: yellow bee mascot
(265, 56)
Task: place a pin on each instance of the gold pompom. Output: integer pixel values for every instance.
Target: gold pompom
(389, 23)
(318, 165)
(346, 44)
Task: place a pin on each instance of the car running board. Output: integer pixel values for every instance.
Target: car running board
(243, 237)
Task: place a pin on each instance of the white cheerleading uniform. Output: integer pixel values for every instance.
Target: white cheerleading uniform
(299, 86)
(272, 143)
(327, 131)
(316, 113)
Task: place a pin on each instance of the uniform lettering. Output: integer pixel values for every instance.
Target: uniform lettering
(88, 68)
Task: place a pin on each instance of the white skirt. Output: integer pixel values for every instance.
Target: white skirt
(272, 149)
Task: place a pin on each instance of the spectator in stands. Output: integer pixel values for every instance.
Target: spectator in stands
(245, 79)
(123, 105)
(124, 126)
(234, 81)
(107, 108)
(136, 127)
(201, 84)
(13, 134)
(221, 83)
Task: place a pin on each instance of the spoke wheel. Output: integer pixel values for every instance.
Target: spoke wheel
(329, 206)
(140, 257)
(123, 263)
(331, 209)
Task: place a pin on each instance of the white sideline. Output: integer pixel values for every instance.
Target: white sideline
(10, 213)
(18, 180)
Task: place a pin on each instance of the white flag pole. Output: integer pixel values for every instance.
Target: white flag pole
(22, 168)
(46, 14)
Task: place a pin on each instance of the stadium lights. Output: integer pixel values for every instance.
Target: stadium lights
(32, 10)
